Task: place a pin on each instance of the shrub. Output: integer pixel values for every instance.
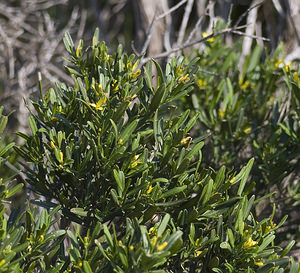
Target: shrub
(250, 112)
(114, 152)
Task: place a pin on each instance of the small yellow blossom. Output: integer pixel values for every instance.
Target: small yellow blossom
(61, 159)
(221, 113)
(131, 248)
(121, 141)
(2, 262)
(78, 51)
(250, 243)
(210, 40)
(99, 104)
(245, 233)
(52, 144)
(136, 73)
(279, 63)
(80, 264)
(287, 67)
(185, 140)
(152, 230)
(258, 262)
(41, 239)
(162, 246)
(135, 161)
(29, 248)
(296, 77)
(59, 109)
(185, 78)
(245, 85)
(149, 189)
(201, 83)
(179, 70)
(154, 240)
(197, 243)
(198, 253)
(267, 229)
(232, 180)
(247, 130)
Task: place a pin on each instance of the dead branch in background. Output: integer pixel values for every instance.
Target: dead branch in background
(179, 45)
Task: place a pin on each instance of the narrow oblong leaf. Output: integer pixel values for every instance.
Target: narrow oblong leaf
(245, 176)
(173, 191)
(163, 225)
(79, 211)
(14, 190)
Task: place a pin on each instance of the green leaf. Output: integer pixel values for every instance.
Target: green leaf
(287, 249)
(14, 190)
(159, 72)
(87, 268)
(173, 191)
(127, 132)
(267, 240)
(120, 179)
(163, 225)
(245, 173)
(79, 211)
(32, 125)
(108, 236)
(3, 122)
(156, 100)
(6, 148)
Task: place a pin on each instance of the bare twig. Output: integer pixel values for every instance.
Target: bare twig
(150, 30)
(192, 33)
(185, 20)
(250, 36)
(247, 12)
(196, 41)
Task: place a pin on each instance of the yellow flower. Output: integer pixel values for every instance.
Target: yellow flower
(197, 243)
(250, 243)
(2, 262)
(149, 189)
(287, 67)
(296, 77)
(201, 83)
(61, 160)
(162, 246)
(221, 113)
(198, 253)
(135, 161)
(258, 262)
(247, 130)
(185, 140)
(245, 85)
(80, 264)
(267, 229)
(185, 78)
(52, 144)
(41, 239)
(78, 50)
(131, 248)
(278, 63)
(246, 231)
(136, 73)
(153, 241)
(210, 40)
(99, 104)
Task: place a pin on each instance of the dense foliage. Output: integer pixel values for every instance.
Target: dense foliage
(126, 188)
